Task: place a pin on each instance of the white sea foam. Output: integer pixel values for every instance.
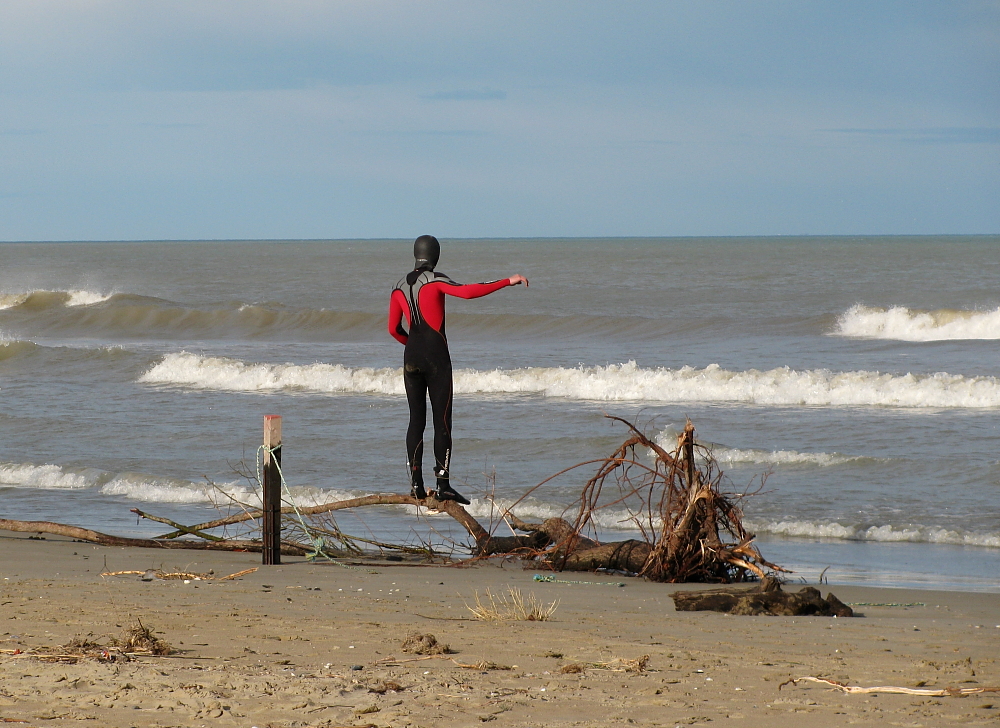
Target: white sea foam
(200, 372)
(152, 489)
(46, 477)
(149, 489)
(86, 298)
(616, 382)
(885, 533)
(667, 439)
(733, 456)
(9, 300)
(904, 324)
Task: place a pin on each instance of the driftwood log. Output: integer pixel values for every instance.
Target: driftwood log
(766, 598)
(86, 534)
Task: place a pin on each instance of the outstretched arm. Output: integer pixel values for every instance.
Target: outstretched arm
(477, 290)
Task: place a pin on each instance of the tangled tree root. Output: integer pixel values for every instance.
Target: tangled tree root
(692, 531)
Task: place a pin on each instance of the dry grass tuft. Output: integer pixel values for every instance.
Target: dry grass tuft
(512, 606)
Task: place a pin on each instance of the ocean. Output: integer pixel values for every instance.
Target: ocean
(859, 375)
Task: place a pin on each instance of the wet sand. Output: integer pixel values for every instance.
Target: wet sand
(311, 644)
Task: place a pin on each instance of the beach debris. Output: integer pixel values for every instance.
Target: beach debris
(138, 639)
(638, 664)
(483, 665)
(947, 692)
(767, 598)
(691, 530)
(548, 578)
(152, 574)
(134, 640)
(424, 644)
(385, 686)
(78, 648)
(512, 606)
(104, 539)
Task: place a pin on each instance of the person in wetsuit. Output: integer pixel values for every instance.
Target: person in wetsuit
(419, 299)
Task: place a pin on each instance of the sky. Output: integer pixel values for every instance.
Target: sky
(378, 119)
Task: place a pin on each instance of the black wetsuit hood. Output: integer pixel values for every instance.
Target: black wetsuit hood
(426, 251)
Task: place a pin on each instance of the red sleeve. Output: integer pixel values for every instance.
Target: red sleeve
(398, 310)
(473, 290)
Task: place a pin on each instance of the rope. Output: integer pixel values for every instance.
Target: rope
(318, 542)
(552, 579)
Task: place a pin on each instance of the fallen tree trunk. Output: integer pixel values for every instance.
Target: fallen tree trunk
(765, 599)
(629, 555)
(572, 552)
(85, 534)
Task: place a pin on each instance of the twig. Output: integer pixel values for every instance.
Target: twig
(178, 526)
(484, 665)
(948, 692)
(182, 574)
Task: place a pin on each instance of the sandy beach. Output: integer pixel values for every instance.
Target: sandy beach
(312, 644)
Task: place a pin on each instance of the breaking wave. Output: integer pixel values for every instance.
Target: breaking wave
(146, 488)
(86, 298)
(667, 439)
(12, 348)
(153, 489)
(734, 456)
(616, 382)
(885, 533)
(137, 316)
(904, 324)
(48, 299)
(47, 477)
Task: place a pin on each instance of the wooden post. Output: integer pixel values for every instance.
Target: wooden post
(271, 531)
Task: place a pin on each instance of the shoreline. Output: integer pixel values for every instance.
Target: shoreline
(280, 646)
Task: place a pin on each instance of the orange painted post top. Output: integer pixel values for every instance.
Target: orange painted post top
(272, 435)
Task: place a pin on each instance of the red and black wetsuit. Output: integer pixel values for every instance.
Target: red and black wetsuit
(419, 298)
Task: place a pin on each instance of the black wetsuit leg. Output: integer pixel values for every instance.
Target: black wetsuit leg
(427, 371)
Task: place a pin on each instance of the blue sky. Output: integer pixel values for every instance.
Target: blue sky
(369, 119)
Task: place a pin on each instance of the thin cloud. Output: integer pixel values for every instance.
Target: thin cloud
(467, 95)
(934, 135)
(421, 132)
(170, 125)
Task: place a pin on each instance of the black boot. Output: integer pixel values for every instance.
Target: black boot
(446, 492)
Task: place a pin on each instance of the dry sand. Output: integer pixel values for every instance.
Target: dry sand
(309, 644)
